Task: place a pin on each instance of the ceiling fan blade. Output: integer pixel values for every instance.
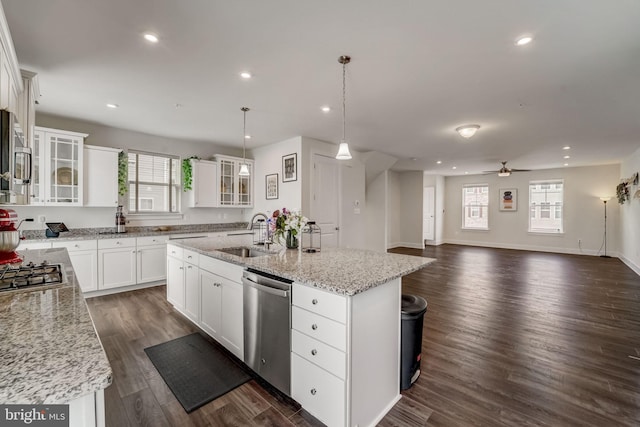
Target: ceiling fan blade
(520, 170)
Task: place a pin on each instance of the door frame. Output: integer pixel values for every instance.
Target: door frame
(314, 155)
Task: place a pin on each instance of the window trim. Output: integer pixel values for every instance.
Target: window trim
(137, 183)
(553, 186)
(465, 207)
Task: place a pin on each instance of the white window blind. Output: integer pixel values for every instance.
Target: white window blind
(154, 183)
(475, 206)
(546, 206)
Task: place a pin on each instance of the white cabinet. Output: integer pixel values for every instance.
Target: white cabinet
(235, 190)
(183, 281)
(175, 282)
(10, 79)
(83, 255)
(26, 246)
(101, 176)
(151, 257)
(27, 104)
(57, 167)
(210, 303)
(204, 191)
(116, 262)
(192, 291)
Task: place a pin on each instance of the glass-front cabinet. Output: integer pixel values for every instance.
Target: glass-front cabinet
(58, 167)
(235, 191)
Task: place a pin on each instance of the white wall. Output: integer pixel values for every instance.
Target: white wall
(79, 217)
(437, 181)
(583, 211)
(630, 216)
(376, 214)
(269, 161)
(394, 212)
(411, 206)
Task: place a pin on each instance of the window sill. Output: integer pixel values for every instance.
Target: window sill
(545, 233)
(474, 229)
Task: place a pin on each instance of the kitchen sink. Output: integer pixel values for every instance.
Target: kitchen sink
(244, 252)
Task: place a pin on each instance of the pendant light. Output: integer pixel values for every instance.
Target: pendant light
(244, 168)
(343, 151)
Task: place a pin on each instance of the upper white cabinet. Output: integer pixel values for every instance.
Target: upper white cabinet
(58, 167)
(235, 191)
(10, 78)
(27, 104)
(204, 192)
(101, 176)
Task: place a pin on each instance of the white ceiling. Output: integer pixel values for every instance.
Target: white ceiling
(419, 69)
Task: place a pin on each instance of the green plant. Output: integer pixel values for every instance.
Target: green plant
(123, 165)
(187, 173)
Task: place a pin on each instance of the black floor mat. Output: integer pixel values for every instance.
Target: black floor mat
(195, 370)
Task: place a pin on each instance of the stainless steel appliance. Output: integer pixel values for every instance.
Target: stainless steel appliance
(30, 275)
(267, 327)
(15, 162)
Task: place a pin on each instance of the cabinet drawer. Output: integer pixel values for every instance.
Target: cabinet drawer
(324, 303)
(319, 392)
(190, 256)
(77, 245)
(319, 353)
(326, 330)
(221, 268)
(152, 240)
(174, 251)
(127, 242)
(23, 246)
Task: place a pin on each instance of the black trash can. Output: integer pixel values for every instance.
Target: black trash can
(413, 309)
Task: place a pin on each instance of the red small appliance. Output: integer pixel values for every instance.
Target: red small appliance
(9, 237)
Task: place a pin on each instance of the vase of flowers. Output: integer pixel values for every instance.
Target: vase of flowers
(285, 227)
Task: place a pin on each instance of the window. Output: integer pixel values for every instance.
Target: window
(154, 183)
(475, 206)
(546, 206)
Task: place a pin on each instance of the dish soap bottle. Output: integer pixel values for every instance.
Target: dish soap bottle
(120, 220)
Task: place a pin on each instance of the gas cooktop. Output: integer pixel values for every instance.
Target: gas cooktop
(30, 275)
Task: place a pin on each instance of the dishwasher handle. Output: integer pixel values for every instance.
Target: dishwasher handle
(268, 289)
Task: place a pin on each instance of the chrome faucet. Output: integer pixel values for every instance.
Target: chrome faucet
(250, 226)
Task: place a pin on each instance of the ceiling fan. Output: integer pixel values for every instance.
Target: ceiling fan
(505, 171)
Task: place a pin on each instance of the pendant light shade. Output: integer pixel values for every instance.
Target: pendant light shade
(343, 151)
(244, 168)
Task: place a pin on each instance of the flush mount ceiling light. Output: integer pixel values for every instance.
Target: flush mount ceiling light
(343, 151)
(467, 131)
(244, 168)
(112, 105)
(245, 75)
(150, 37)
(523, 40)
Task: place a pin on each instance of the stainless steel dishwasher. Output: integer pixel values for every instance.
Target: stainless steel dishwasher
(267, 327)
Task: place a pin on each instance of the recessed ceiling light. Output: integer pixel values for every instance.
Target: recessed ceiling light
(467, 131)
(151, 37)
(326, 109)
(439, 162)
(112, 105)
(523, 40)
(567, 157)
(566, 164)
(566, 147)
(247, 137)
(245, 75)
(455, 167)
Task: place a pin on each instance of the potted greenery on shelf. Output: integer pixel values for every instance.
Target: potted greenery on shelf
(187, 173)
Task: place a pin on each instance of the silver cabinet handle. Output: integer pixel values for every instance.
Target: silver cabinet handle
(189, 266)
(314, 301)
(313, 391)
(181, 268)
(117, 243)
(314, 352)
(189, 256)
(314, 326)
(133, 252)
(76, 246)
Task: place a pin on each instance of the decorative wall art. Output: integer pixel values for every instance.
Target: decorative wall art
(508, 199)
(290, 167)
(271, 182)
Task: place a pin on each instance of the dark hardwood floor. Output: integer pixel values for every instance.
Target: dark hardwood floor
(511, 338)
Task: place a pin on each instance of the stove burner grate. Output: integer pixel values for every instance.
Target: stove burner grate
(31, 274)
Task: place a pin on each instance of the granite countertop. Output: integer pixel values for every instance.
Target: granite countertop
(109, 232)
(49, 349)
(341, 271)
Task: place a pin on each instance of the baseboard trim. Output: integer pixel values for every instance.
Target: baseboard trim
(630, 264)
(110, 291)
(412, 245)
(569, 251)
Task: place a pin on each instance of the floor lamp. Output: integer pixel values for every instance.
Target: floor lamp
(605, 200)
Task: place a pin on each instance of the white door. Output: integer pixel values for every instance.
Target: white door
(428, 213)
(325, 203)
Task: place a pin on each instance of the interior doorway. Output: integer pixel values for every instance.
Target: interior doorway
(428, 214)
(325, 201)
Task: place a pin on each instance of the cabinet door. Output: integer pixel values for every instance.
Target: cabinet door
(101, 177)
(227, 182)
(85, 265)
(37, 174)
(192, 292)
(151, 263)
(204, 193)
(116, 267)
(175, 282)
(210, 303)
(232, 333)
(245, 187)
(64, 154)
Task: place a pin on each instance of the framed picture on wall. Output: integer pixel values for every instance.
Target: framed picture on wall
(508, 199)
(271, 182)
(290, 167)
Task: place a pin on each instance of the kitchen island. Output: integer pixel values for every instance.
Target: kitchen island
(49, 349)
(345, 318)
